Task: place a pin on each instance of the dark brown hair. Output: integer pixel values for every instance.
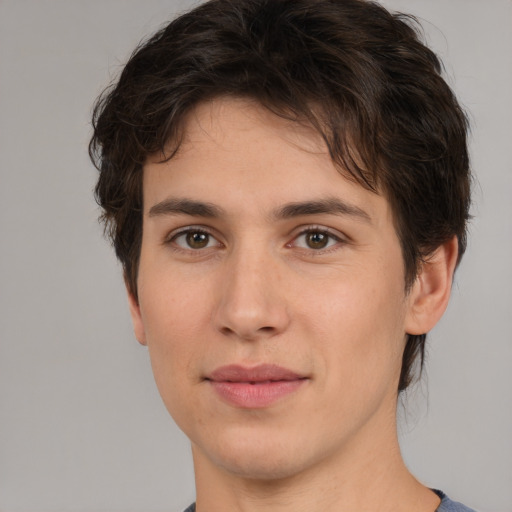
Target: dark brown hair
(357, 73)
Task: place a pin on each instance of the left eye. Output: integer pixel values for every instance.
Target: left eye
(194, 239)
(315, 239)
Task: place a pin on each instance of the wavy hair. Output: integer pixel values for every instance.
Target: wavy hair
(360, 75)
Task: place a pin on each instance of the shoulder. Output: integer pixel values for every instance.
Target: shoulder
(447, 505)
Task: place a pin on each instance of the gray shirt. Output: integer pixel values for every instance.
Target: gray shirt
(446, 505)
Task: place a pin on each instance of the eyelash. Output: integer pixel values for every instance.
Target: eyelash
(321, 231)
(189, 230)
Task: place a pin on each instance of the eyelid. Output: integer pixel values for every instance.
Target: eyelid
(195, 228)
(339, 237)
(336, 235)
(307, 228)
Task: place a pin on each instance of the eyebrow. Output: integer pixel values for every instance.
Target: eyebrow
(185, 207)
(331, 206)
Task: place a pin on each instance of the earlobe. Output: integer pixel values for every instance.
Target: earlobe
(430, 292)
(138, 324)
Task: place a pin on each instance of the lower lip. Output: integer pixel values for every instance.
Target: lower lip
(255, 395)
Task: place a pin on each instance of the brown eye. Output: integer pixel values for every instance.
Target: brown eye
(194, 239)
(197, 239)
(316, 240)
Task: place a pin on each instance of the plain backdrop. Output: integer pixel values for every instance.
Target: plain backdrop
(82, 427)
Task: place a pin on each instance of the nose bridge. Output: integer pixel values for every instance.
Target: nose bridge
(251, 302)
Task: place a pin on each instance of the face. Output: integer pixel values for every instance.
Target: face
(270, 295)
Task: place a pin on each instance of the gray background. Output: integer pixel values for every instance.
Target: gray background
(81, 425)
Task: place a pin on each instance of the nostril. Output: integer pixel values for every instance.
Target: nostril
(249, 334)
(226, 330)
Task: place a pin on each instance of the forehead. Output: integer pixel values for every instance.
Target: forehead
(238, 153)
(216, 119)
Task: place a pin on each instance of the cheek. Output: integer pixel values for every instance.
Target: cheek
(174, 319)
(171, 304)
(358, 328)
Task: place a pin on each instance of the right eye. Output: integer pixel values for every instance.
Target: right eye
(194, 239)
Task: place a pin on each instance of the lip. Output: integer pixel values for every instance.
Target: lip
(256, 387)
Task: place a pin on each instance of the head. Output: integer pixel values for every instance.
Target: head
(359, 76)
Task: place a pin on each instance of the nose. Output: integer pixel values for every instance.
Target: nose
(252, 300)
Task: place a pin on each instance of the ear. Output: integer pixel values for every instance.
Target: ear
(429, 295)
(138, 324)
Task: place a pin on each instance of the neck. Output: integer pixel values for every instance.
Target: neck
(369, 475)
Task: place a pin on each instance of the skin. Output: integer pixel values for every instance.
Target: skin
(253, 284)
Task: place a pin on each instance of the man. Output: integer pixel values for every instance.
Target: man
(286, 184)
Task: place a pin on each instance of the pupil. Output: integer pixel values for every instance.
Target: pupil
(317, 240)
(197, 240)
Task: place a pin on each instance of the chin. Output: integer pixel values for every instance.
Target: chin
(263, 467)
(261, 458)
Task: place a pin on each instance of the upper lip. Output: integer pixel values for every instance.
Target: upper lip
(260, 373)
